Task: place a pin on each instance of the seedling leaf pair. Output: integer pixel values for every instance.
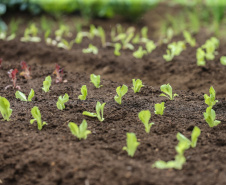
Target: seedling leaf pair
(132, 144)
(99, 112)
(61, 101)
(22, 96)
(37, 117)
(95, 79)
(84, 93)
(167, 89)
(145, 116)
(81, 131)
(121, 91)
(137, 84)
(47, 84)
(210, 100)
(5, 108)
(159, 108)
(210, 117)
(139, 53)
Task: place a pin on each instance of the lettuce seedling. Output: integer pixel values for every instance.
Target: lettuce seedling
(222, 60)
(194, 136)
(191, 41)
(61, 101)
(84, 93)
(91, 49)
(5, 108)
(184, 143)
(210, 100)
(30, 34)
(102, 36)
(167, 89)
(132, 144)
(145, 116)
(63, 30)
(12, 74)
(22, 96)
(65, 44)
(35, 112)
(59, 72)
(210, 117)
(99, 112)
(95, 79)
(144, 34)
(117, 49)
(26, 73)
(200, 57)
(80, 36)
(136, 39)
(150, 46)
(80, 132)
(210, 46)
(140, 52)
(126, 40)
(47, 84)
(121, 91)
(137, 84)
(159, 108)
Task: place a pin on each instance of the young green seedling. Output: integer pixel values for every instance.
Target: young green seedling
(30, 34)
(102, 36)
(210, 117)
(210, 100)
(99, 112)
(80, 132)
(37, 117)
(137, 84)
(91, 49)
(65, 44)
(167, 89)
(159, 108)
(61, 101)
(200, 57)
(210, 46)
(145, 116)
(47, 84)
(191, 41)
(132, 144)
(95, 79)
(121, 91)
(144, 34)
(136, 39)
(194, 136)
(22, 96)
(223, 60)
(117, 49)
(5, 108)
(139, 53)
(84, 93)
(150, 46)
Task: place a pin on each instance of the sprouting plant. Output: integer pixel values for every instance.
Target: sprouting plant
(200, 56)
(159, 108)
(222, 60)
(125, 41)
(210, 117)
(145, 116)
(210, 46)
(117, 49)
(137, 84)
(102, 36)
(5, 108)
(59, 72)
(121, 91)
(139, 53)
(150, 46)
(80, 36)
(99, 112)
(12, 74)
(132, 144)
(136, 39)
(80, 132)
(61, 101)
(26, 70)
(167, 89)
(169, 35)
(84, 93)
(91, 49)
(47, 84)
(63, 30)
(144, 34)
(22, 96)
(191, 41)
(35, 112)
(65, 44)
(95, 79)
(210, 100)
(30, 34)
(194, 136)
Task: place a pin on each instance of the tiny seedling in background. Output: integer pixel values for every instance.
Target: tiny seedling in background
(61, 101)
(210, 46)
(26, 73)
(35, 112)
(210, 100)
(30, 34)
(222, 60)
(95, 79)
(191, 41)
(159, 108)
(5, 108)
(139, 53)
(132, 144)
(84, 93)
(12, 74)
(102, 36)
(121, 91)
(91, 49)
(80, 132)
(99, 112)
(117, 49)
(144, 34)
(137, 84)
(210, 117)
(167, 89)
(145, 116)
(200, 57)
(136, 39)
(194, 136)
(22, 96)
(47, 84)
(65, 44)
(150, 46)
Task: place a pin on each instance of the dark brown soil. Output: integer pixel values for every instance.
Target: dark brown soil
(54, 156)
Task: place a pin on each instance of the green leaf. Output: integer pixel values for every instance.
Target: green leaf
(117, 49)
(184, 143)
(91, 49)
(37, 117)
(137, 84)
(132, 144)
(189, 39)
(145, 116)
(150, 46)
(21, 96)
(31, 95)
(139, 53)
(121, 91)
(80, 132)
(61, 101)
(223, 60)
(86, 113)
(95, 79)
(5, 108)
(167, 89)
(210, 116)
(47, 84)
(210, 100)
(84, 93)
(194, 136)
(159, 108)
(200, 56)
(100, 111)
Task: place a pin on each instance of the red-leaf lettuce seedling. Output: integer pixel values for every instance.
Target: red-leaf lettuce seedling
(26, 70)
(12, 74)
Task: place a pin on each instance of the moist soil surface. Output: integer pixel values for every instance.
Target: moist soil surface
(53, 156)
